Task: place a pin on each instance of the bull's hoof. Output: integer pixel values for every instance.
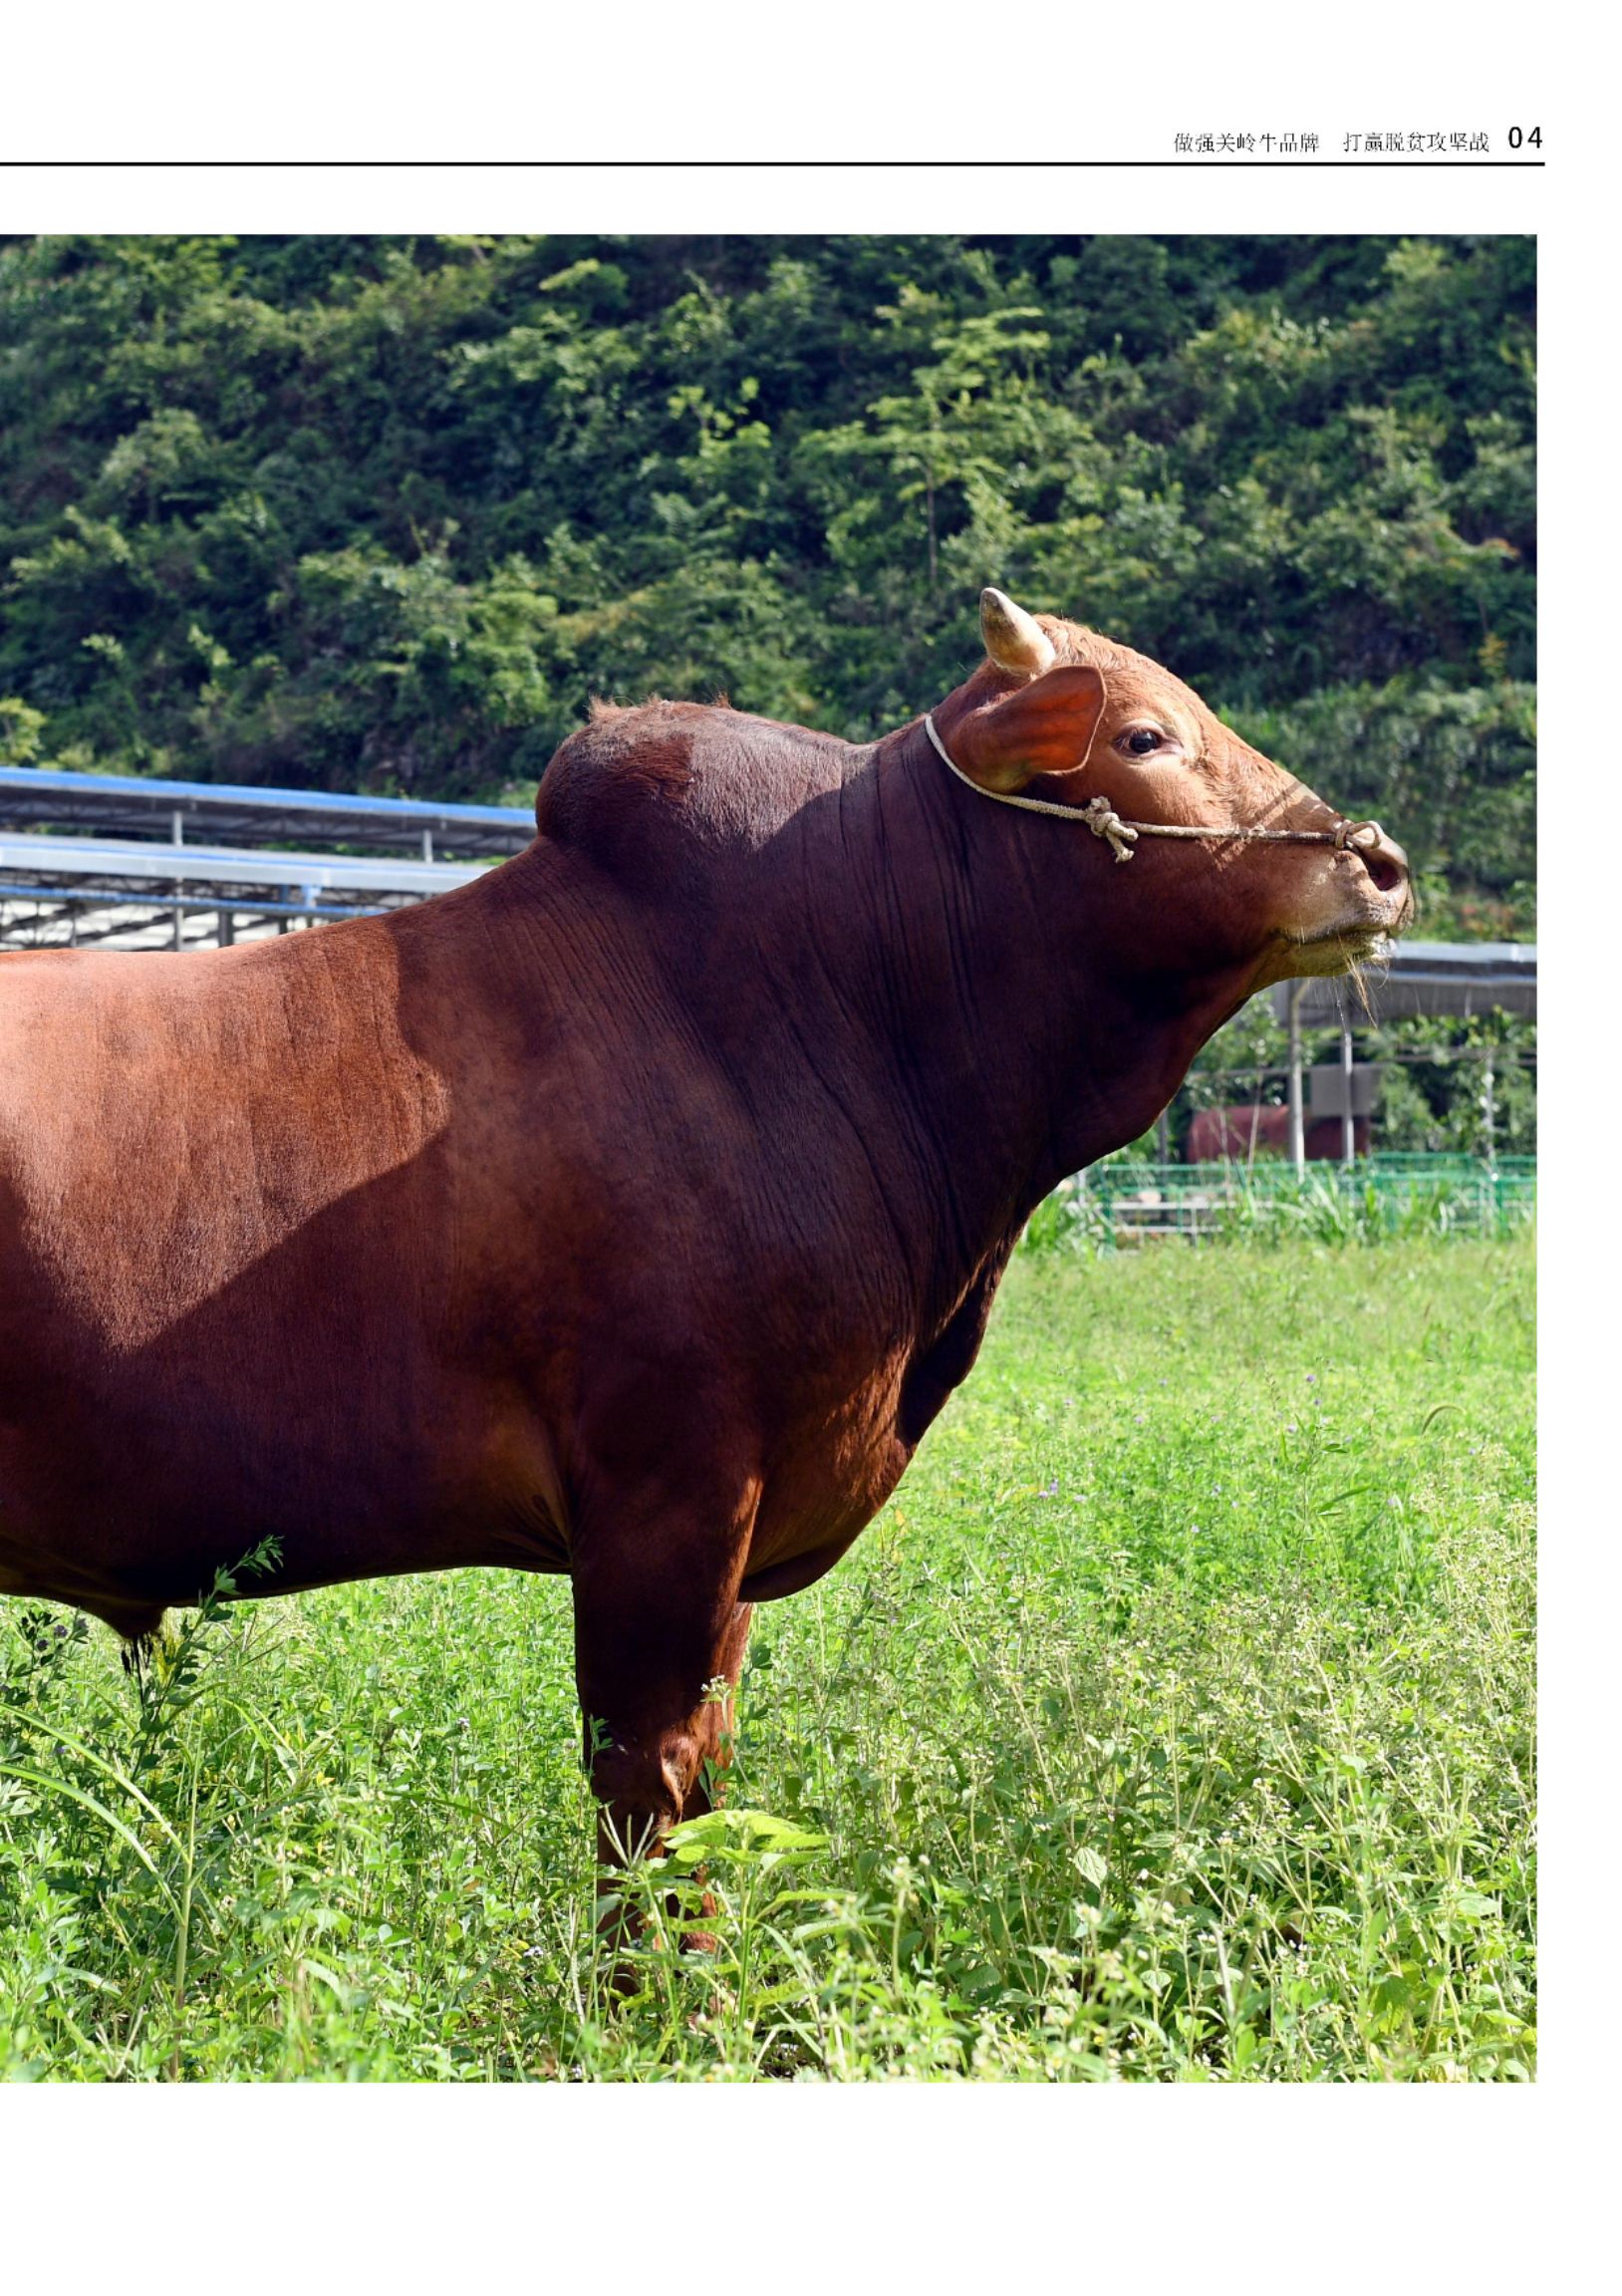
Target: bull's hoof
(144, 1633)
(626, 1979)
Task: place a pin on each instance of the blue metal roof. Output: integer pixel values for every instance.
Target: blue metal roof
(112, 805)
(149, 869)
(32, 778)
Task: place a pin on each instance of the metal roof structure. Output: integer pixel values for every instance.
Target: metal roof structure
(1454, 979)
(109, 805)
(88, 858)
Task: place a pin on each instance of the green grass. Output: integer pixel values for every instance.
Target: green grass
(1175, 1722)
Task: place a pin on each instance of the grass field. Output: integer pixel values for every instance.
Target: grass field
(1174, 1722)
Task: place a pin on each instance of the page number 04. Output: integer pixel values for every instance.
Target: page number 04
(1531, 135)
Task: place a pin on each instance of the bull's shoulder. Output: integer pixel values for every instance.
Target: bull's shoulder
(667, 776)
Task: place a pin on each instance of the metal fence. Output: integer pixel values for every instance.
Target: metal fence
(1381, 1195)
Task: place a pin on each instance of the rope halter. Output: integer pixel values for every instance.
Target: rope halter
(1102, 819)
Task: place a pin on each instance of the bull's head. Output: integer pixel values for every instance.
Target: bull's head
(1058, 714)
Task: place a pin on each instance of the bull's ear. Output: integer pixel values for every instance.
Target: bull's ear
(1014, 641)
(1046, 727)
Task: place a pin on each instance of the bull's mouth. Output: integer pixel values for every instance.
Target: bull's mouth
(1336, 949)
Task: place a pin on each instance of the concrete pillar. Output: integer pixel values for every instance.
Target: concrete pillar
(1297, 1098)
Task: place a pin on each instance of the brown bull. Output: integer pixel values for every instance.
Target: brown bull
(631, 1210)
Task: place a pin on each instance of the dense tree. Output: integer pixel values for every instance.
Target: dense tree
(385, 512)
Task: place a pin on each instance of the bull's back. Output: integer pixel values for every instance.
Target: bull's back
(168, 1124)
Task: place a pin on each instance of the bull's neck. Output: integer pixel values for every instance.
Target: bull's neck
(983, 951)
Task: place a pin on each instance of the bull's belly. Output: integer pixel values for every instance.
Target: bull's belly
(126, 1518)
(130, 1579)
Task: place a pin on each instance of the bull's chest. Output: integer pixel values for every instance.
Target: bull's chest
(838, 1468)
(840, 1464)
(824, 1487)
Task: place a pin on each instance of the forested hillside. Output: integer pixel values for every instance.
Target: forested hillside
(382, 513)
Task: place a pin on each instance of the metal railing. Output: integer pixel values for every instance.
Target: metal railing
(1382, 1194)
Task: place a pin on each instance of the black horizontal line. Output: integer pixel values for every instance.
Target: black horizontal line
(626, 166)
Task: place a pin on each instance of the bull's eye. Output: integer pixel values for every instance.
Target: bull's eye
(1142, 741)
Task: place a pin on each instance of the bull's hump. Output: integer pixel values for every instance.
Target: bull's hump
(638, 785)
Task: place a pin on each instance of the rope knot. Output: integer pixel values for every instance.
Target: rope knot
(1104, 821)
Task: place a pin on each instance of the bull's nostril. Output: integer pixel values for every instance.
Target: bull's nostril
(1386, 872)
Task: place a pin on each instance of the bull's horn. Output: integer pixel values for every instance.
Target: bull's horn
(1013, 639)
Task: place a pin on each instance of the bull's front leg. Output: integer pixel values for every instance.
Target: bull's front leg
(658, 1744)
(718, 1715)
(659, 1638)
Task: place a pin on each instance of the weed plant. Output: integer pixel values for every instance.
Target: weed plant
(1175, 1722)
(1347, 1209)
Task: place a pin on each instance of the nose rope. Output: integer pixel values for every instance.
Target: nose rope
(1102, 819)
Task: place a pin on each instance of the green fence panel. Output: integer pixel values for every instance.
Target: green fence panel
(1383, 1195)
